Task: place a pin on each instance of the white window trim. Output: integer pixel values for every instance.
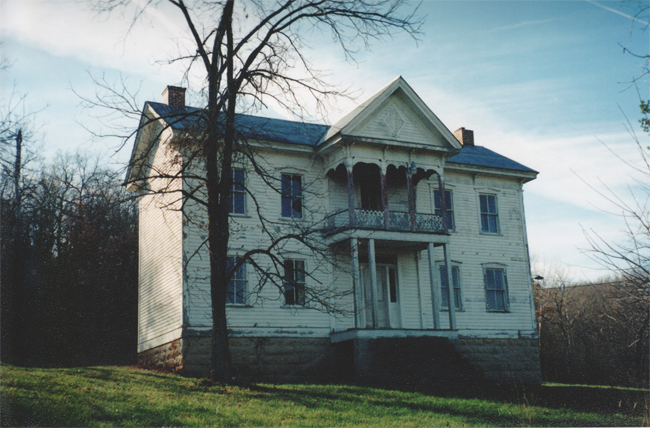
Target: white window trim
(506, 302)
(498, 216)
(294, 305)
(457, 265)
(246, 287)
(453, 210)
(302, 196)
(245, 213)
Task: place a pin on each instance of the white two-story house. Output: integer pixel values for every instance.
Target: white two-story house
(423, 249)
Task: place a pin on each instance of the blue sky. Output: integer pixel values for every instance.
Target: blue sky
(543, 82)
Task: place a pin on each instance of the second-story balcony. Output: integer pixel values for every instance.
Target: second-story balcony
(384, 220)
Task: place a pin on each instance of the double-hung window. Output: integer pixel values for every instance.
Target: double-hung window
(444, 287)
(449, 214)
(236, 292)
(496, 289)
(291, 195)
(294, 282)
(489, 213)
(238, 192)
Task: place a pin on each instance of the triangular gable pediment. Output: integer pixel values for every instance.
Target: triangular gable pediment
(395, 114)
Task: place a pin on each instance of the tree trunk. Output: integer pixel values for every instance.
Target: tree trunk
(218, 200)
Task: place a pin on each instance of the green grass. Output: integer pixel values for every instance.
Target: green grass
(122, 396)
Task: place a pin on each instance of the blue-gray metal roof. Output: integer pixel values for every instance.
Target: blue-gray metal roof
(480, 156)
(286, 131)
(253, 127)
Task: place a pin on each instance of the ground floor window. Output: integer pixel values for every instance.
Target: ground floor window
(294, 282)
(236, 292)
(496, 289)
(444, 287)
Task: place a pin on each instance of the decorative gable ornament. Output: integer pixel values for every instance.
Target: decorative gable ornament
(394, 122)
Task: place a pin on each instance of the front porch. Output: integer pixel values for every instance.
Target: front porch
(389, 294)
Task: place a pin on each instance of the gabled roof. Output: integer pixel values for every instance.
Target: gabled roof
(313, 135)
(253, 127)
(480, 156)
(348, 124)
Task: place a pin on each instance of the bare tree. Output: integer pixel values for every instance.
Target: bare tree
(629, 259)
(248, 53)
(18, 156)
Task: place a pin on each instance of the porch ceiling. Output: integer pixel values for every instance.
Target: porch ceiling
(391, 239)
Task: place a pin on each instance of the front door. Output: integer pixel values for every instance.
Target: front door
(388, 308)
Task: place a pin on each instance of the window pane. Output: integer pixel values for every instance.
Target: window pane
(444, 297)
(484, 204)
(498, 280)
(454, 276)
(236, 290)
(491, 300)
(237, 192)
(495, 285)
(296, 208)
(294, 282)
(238, 177)
(296, 186)
(299, 271)
(444, 288)
(492, 224)
(489, 278)
(492, 204)
(485, 226)
(237, 203)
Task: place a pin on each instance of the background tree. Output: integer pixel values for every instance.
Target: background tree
(18, 147)
(75, 302)
(247, 53)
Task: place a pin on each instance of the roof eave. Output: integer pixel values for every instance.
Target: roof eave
(524, 176)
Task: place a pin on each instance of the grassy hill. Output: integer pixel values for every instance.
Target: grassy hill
(126, 396)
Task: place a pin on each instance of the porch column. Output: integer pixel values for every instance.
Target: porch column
(443, 202)
(435, 298)
(349, 166)
(357, 287)
(384, 195)
(410, 171)
(373, 282)
(452, 296)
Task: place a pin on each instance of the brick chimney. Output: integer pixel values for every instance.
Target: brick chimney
(174, 96)
(465, 136)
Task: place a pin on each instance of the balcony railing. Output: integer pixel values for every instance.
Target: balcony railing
(376, 220)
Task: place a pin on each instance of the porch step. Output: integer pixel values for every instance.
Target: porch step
(414, 360)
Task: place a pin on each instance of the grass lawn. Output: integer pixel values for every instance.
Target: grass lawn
(124, 396)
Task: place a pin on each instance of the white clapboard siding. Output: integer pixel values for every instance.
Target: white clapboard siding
(159, 302)
(473, 249)
(266, 308)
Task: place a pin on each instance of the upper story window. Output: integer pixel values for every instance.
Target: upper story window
(238, 192)
(489, 213)
(236, 291)
(496, 289)
(444, 287)
(291, 195)
(294, 282)
(449, 207)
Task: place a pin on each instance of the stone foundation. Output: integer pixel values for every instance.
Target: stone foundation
(503, 360)
(254, 358)
(167, 357)
(427, 360)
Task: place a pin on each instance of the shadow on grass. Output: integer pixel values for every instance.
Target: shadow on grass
(178, 396)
